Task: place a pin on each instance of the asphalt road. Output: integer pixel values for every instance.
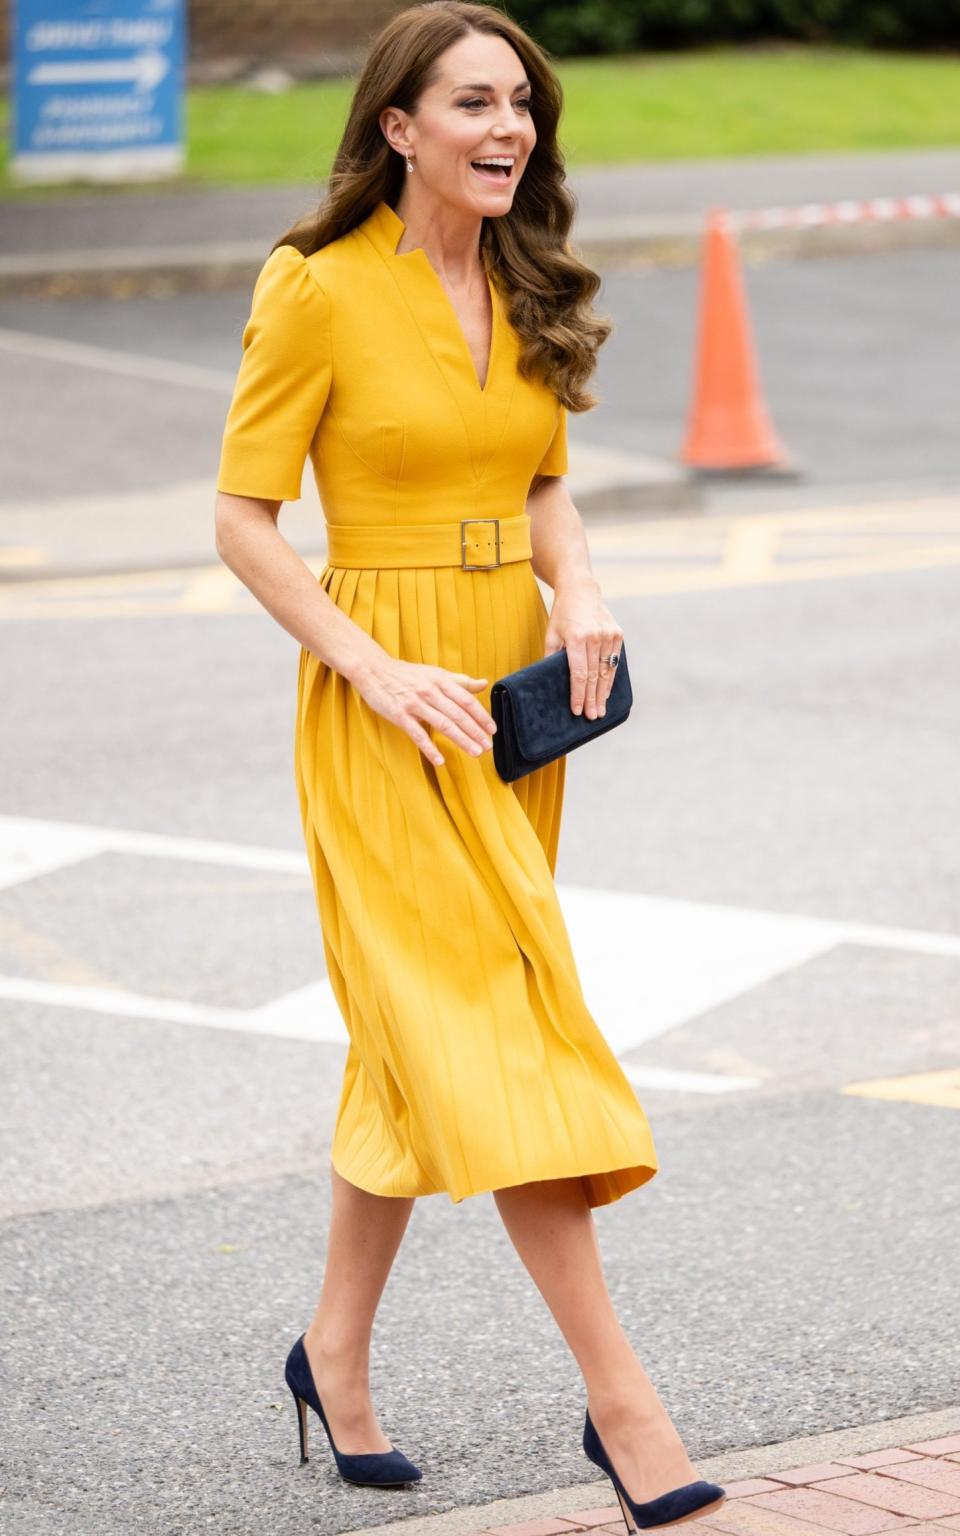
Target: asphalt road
(760, 868)
(858, 359)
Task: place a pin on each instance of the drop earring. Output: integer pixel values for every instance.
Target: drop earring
(409, 159)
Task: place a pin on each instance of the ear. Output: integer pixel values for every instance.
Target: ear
(393, 125)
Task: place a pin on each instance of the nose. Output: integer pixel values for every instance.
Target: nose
(511, 113)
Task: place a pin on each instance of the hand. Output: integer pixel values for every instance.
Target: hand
(582, 624)
(408, 692)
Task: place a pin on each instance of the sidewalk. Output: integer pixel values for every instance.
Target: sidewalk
(652, 211)
(173, 527)
(901, 1475)
(151, 240)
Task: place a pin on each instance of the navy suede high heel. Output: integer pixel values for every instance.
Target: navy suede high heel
(375, 1469)
(686, 1503)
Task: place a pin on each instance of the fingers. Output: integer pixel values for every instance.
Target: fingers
(469, 736)
(584, 660)
(468, 712)
(423, 740)
(465, 728)
(577, 662)
(610, 646)
(590, 678)
(447, 704)
(593, 676)
(475, 709)
(604, 682)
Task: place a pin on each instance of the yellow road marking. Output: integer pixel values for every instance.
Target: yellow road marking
(940, 1088)
(624, 580)
(212, 589)
(669, 555)
(15, 555)
(750, 548)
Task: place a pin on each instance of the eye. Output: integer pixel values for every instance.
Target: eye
(478, 101)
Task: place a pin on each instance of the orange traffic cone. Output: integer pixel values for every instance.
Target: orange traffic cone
(728, 426)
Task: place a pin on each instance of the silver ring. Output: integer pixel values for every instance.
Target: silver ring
(613, 658)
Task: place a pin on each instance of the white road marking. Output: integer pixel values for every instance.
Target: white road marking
(83, 354)
(25, 842)
(686, 1082)
(646, 963)
(119, 1004)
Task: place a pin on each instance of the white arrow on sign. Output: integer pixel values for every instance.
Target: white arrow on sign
(146, 70)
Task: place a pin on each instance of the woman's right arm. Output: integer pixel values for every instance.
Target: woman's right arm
(249, 542)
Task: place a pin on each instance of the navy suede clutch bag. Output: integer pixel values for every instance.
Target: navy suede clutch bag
(535, 723)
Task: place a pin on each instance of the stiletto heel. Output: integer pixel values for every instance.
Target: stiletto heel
(626, 1513)
(686, 1503)
(302, 1422)
(375, 1469)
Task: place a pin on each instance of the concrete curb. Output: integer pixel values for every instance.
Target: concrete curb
(614, 487)
(728, 1467)
(127, 271)
(677, 242)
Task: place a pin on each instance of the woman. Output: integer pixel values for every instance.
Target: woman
(421, 338)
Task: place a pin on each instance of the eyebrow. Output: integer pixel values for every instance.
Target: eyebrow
(475, 87)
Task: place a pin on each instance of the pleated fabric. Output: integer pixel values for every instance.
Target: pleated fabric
(474, 1062)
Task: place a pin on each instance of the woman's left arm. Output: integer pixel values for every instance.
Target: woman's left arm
(580, 621)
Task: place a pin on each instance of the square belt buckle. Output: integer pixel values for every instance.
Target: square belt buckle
(491, 565)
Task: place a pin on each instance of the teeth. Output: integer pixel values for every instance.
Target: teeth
(495, 160)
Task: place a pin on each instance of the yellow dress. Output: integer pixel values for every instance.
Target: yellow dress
(473, 1060)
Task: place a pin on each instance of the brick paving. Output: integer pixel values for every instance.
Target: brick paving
(910, 1487)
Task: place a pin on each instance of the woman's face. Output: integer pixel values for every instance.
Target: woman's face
(480, 105)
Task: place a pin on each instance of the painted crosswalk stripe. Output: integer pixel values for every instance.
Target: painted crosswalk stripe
(632, 951)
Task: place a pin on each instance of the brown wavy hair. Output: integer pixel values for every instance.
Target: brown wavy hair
(527, 253)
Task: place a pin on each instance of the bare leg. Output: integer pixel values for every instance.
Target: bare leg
(365, 1232)
(551, 1226)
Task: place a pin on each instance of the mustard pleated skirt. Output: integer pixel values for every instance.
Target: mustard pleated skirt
(473, 1060)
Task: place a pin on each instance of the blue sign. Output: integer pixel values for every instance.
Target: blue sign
(97, 89)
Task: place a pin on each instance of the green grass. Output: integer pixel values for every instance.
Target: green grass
(773, 99)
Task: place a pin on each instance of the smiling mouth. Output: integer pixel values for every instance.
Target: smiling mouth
(501, 173)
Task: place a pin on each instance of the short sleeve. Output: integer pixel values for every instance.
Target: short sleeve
(282, 384)
(554, 461)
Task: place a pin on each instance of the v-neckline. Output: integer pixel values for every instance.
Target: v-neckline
(395, 229)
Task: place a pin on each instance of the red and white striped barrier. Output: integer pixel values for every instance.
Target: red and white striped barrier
(943, 205)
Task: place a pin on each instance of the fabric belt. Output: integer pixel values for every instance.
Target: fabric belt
(473, 543)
